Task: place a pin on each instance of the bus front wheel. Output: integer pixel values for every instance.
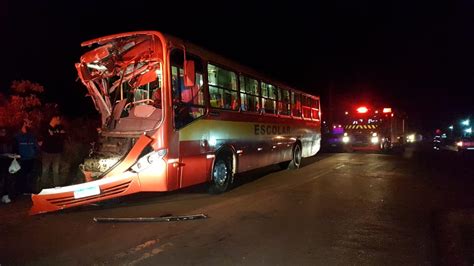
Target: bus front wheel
(295, 162)
(222, 174)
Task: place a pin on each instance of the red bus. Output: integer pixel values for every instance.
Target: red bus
(175, 115)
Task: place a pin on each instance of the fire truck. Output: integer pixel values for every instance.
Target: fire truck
(373, 128)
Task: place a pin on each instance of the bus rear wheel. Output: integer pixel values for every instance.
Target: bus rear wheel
(222, 174)
(295, 162)
(385, 146)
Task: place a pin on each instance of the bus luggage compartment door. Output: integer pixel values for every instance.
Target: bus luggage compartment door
(195, 165)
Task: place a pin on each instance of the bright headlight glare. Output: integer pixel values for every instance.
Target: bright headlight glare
(459, 143)
(345, 139)
(374, 134)
(147, 160)
(374, 140)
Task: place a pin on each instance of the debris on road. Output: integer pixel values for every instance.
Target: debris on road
(151, 219)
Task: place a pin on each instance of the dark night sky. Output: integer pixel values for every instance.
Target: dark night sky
(417, 56)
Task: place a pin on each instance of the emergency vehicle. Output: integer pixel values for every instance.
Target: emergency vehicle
(373, 128)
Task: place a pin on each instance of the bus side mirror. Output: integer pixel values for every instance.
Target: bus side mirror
(189, 74)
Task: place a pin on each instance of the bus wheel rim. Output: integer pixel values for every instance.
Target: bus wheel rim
(297, 155)
(220, 173)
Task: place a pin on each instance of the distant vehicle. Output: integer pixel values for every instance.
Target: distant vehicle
(175, 115)
(413, 138)
(465, 144)
(373, 128)
(332, 138)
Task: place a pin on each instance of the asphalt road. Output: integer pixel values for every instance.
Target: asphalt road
(339, 208)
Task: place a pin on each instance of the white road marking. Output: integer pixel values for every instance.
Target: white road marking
(138, 248)
(148, 255)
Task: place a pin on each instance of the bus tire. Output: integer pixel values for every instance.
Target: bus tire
(385, 146)
(295, 162)
(222, 173)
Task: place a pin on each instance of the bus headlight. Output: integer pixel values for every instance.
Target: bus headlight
(374, 140)
(147, 160)
(345, 139)
(411, 138)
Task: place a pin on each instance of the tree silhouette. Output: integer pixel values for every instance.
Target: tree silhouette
(23, 101)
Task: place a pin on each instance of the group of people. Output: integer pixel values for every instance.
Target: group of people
(31, 149)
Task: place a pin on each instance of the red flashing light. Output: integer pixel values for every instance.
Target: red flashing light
(362, 109)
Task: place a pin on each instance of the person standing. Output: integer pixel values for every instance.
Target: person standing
(52, 147)
(26, 145)
(6, 178)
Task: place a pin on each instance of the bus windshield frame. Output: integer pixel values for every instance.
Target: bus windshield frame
(122, 73)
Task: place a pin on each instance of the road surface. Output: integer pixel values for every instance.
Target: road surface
(338, 209)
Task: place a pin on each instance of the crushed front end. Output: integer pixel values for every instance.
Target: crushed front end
(123, 77)
(118, 180)
(106, 154)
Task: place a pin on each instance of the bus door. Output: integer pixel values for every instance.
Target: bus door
(188, 107)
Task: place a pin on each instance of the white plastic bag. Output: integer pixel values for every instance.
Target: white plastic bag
(14, 166)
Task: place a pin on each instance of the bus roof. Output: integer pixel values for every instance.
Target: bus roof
(104, 39)
(225, 62)
(201, 52)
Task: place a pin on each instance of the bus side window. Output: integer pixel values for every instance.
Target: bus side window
(315, 109)
(188, 102)
(295, 104)
(306, 107)
(283, 102)
(269, 96)
(222, 88)
(216, 97)
(248, 94)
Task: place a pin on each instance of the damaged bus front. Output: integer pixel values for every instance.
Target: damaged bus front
(124, 77)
